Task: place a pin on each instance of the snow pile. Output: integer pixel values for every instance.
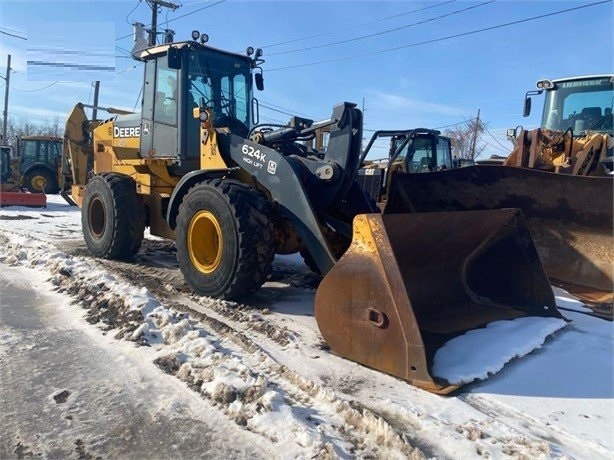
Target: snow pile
(480, 353)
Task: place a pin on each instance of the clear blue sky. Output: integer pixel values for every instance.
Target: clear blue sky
(429, 85)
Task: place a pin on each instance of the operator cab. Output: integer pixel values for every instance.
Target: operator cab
(182, 76)
(578, 104)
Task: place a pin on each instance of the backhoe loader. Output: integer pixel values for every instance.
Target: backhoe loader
(560, 175)
(196, 166)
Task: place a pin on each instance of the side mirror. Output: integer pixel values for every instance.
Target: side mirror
(174, 58)
(259, 81)
(527, 107)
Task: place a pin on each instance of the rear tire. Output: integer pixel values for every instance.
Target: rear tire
(225, 240)
(112, 217)
(41, 180)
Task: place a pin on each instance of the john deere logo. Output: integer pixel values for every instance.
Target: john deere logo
(128, 131)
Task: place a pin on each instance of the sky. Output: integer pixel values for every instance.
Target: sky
(295, 397)
(396, 60)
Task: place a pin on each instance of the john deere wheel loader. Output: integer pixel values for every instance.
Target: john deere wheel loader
(559, 175)
(193, 166)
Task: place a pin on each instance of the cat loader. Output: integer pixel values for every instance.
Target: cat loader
(196, 166)
(560, 175)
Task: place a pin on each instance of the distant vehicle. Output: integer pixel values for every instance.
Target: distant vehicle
(38, 160)
(410, 151)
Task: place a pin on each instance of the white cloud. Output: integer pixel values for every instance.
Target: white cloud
(395, 102)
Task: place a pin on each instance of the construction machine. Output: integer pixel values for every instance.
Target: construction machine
(411, 151)
(37, 160)
(196, 166)
(560, 175)
(11, 191)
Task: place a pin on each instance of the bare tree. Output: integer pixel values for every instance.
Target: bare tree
(463, 137)
(18, 127)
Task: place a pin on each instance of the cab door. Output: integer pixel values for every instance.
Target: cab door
(159, 133)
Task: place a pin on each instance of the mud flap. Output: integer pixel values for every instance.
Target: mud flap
(411, 282)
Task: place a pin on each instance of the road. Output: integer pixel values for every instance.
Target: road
(66, 390)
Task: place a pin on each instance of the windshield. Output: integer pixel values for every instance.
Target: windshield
(222, 81)
(580, 105)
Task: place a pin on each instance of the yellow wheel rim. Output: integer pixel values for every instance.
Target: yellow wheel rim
(39, 183)
(205, 242)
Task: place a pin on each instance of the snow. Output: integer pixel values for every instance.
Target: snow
(263, 369)
(481, 353)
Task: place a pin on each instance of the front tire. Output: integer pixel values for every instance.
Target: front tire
(225, 240)
(112, 217)
(41, 181)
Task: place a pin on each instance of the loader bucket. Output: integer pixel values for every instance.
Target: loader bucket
(571, 218)
(411, 282)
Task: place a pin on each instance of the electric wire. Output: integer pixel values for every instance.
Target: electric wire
(435, 40)
(358, 25)
(495, 139)
(132, 11)
(456, 124)
(179, 17)
(33, 90)
(12, 35)
(387, 31)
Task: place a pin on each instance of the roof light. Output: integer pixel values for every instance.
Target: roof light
(258, 52)
(195, 35)
(204, 38)
(249, 50)
(545, 84)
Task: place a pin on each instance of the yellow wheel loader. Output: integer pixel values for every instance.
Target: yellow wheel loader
(560, 175)
(196, 166)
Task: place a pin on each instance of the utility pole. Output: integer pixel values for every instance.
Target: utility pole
(96, 90)
(475, 135)
(6, 99)
(154, 17)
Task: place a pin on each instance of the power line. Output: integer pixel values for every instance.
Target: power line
(294, 112)
(13, 30)
(358, 25)
(495, 139)
(456, 124)
(472, 32)
(129, 68)
(33, 90)
(132, 11)
(387, 31)
(179, 17)
(12, 35)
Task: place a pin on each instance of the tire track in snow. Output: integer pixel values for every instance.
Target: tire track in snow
(343, 428)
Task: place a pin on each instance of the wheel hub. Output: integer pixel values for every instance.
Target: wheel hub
(39, 183)
(96, 217)
(205, 242)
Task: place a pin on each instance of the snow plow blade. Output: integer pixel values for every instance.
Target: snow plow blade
(23, 198)
(570, 217)
(411, 282)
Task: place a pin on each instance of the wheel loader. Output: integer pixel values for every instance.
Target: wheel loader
(560, 175)
(196, 166)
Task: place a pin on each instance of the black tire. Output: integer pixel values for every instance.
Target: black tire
(112, 217)
(40, 180)
(224, 238)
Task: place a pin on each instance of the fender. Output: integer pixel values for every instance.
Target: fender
(38, 165)
(185, 184)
